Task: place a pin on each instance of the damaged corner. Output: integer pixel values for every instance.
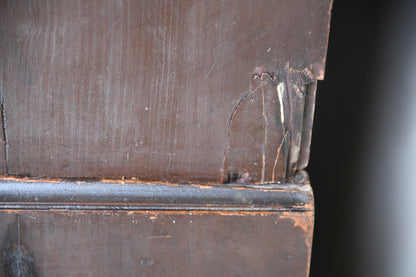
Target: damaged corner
(306, 139)
(269, 129)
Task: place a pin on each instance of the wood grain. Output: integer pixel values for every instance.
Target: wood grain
(160, 243)
(147, 89)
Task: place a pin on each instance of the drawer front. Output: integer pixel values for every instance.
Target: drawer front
(122, 228)
(141, 243)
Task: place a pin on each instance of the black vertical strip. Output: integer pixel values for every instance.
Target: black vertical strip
(4, 131)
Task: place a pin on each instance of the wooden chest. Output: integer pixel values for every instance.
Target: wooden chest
(158, 138)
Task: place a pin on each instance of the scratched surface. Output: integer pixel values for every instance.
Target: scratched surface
(156, 90)
(160, 244)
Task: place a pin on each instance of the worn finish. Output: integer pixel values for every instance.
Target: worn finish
(107, 228)
(273, 113)
(18, 262)
(121, 195)
(158, 90)
(162, 243)
(208, 103)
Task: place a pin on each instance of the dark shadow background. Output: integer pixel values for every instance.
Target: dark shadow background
(347, 108)
(343, 101)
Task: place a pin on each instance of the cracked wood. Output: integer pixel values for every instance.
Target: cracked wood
(146, 89)
(273, 115)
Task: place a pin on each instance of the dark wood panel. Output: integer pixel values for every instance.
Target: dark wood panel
(159, 243)
(158, 90)
(109, 228)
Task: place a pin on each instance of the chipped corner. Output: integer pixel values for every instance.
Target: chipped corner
(294, 93)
